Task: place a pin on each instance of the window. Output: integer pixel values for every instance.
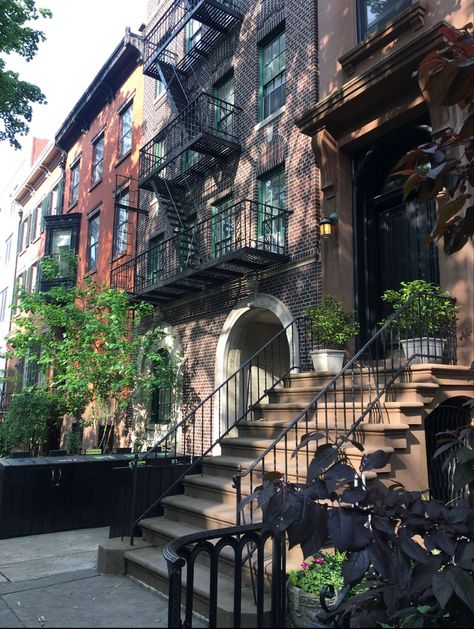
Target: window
(193, 34)
(97, 159)
(33, 278)
(56, 199)
(8, 250)
(161, 397)
(272, 76)
(122, 203)
(3, 304)
(74, 192)
(94, 228)
(34, 225)
(271, 225)
(155, 259)
(190, 159)
(159, 88)
(25, 233)
(222, 227)
(126, 127)
(61, 249)
(44, 210)
(373, 14)
(224, 115)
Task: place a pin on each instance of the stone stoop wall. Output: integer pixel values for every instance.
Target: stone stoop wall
(198, 319)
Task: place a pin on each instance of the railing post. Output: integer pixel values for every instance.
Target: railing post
(133, 500)
(238, 495)
(174, 591)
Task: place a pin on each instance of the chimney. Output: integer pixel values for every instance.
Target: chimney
(37, 147)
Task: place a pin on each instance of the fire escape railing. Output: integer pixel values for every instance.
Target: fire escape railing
(355, 393)
(180, 12)
(245, 225)
(231, 403)
(197, 126)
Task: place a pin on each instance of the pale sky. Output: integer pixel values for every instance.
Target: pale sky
(80, 37)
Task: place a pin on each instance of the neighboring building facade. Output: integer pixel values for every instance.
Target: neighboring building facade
(227, 243)
(370, 112)
(100, 139)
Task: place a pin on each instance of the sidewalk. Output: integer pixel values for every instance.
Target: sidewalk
(52, 581)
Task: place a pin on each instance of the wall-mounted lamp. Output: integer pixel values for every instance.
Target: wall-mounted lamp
(442, 194)
(327, 225)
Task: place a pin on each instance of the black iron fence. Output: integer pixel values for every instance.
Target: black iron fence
(262, 605)
(245, 225)
(417, 332)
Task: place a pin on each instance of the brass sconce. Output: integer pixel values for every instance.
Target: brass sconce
(327, 225)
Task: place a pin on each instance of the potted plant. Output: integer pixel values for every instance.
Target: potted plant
(332, 327)
(305, 585)
(423, 325)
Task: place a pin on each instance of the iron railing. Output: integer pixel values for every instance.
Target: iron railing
(356, 393)
(210, 546)
(220, 16)
(199, 125)
(245, 225)
(229, 404)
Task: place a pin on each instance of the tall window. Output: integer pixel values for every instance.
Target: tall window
(373, 14)
(25, 233)
(61, 249)
(159, 88)
(155, 259)
(94, 228)
(272, 76)
(224, 116)
(34, 224)
(43, 210)
(161, 397)
(3, 305)
(56, 198)
(97, 159)
(126, 128)
(8, 250)
(193, 34)
(74, 178)
(222, 227)
(190, 158)
(271, 225)
(122, 203)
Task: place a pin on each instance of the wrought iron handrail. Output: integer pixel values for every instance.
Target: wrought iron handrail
(230, 403)
(202, 115)
(341, 403)
(246, 224)
(171, 23)
(185, 552)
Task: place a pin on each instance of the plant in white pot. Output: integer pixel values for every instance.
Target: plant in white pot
(332, 328)
(426, 320)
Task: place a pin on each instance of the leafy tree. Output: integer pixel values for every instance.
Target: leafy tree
(414, 555)
(17, 96)
(445, 167)
(89, 347)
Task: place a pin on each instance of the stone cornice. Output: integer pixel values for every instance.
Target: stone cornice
(356, 96)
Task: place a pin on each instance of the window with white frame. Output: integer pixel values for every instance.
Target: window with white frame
(97, 159)
(8, 250)
(121, 222)
(126, 130)
(74, 179)
(272, 75)
(3, 304)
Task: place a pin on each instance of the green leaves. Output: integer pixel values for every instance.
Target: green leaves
(331, 325)
(17, 96)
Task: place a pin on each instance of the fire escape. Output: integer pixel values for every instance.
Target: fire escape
(202, 134)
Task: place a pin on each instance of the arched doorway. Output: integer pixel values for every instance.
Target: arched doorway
(248, 328)
(389, 232)
(448, 416)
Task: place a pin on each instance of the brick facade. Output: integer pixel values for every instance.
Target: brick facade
(198, 319)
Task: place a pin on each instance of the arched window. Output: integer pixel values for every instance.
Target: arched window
(161, 396)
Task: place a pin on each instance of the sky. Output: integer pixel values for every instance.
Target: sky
(80, 37)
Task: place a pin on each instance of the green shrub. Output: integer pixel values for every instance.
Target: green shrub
(432, 313)
(331, 325)
(318, 570)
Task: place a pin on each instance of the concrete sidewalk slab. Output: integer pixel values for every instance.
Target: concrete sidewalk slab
(25, 570)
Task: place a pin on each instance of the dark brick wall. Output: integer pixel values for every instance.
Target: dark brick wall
(198, 321)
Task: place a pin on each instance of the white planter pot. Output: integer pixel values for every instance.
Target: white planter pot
(330, 360)
(432, 348)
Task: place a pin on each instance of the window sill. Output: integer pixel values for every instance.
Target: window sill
(118, 257)
(413, 17)
(73, 205)
(123, 158)
(270, 118)
(94, 185)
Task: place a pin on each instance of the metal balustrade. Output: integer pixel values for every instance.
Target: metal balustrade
(217, 16)
(246, 236)
(199, 127)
